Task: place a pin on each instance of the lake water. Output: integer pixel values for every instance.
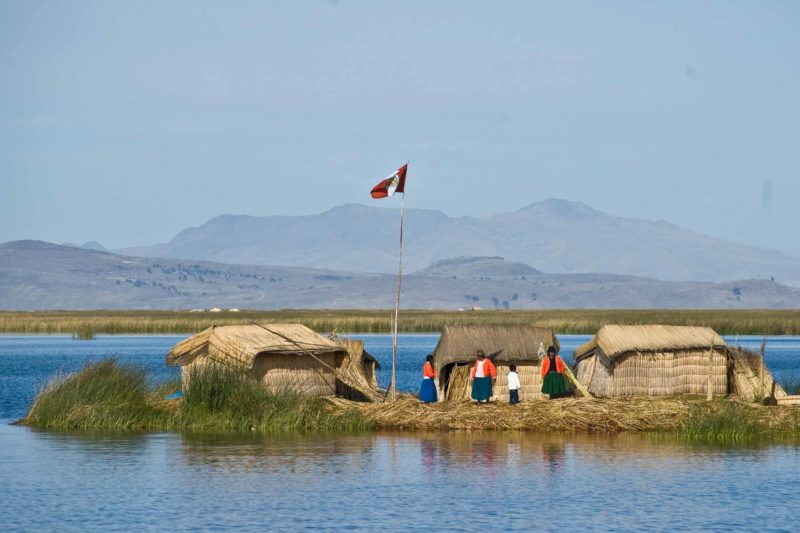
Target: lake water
(53, 481)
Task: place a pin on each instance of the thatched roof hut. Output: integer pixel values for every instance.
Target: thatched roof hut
(281, 356)
(653, 360)
(522, 345)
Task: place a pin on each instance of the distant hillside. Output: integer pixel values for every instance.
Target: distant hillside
(478, 267)
(554, 236)
(38, 275)
(91, 245)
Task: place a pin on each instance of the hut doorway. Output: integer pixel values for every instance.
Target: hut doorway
(455, 380)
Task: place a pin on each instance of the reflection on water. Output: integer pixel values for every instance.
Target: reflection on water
(392, 481)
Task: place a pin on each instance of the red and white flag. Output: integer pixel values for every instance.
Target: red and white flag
(394, 183)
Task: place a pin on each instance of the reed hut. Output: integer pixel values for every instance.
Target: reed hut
(652, 360)
(280, 356)
(523, 345)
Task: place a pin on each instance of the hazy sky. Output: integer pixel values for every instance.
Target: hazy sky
(125, 122)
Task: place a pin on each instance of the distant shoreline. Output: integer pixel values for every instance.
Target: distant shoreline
(86, 324)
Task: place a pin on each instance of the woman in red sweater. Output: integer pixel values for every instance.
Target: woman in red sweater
(482, 376)
(427, 391)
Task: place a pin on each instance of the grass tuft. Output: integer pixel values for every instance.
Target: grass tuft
(726, 423)
(790, 382)
(84, 333)
(102, 395)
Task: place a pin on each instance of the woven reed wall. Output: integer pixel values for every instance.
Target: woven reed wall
(584, 370)
(529, 376)
(186, 370)
(297, 373)
(655, 374)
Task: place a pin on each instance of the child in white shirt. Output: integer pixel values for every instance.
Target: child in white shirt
(513, 385)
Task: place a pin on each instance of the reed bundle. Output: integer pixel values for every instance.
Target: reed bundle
(355, 377)
(750, 378)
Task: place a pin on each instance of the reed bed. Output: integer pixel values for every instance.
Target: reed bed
(581, 321)
(107, 395)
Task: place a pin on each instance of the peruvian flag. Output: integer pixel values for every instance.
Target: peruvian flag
(394, 183)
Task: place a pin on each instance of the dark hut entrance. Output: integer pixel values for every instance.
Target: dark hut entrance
(455, 380)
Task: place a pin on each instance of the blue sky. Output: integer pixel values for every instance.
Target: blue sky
(127, 122)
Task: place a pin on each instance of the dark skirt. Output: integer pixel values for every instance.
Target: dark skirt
(427, 391)
(553, 384)
(482, 389)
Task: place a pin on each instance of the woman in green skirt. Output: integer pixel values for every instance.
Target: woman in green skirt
(553, 375)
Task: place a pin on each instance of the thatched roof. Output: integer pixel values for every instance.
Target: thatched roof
(615, 340)
(502, 343)
(240, 345)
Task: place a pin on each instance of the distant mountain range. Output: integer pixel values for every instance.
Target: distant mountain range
(39, 275)
(553, 236)
(91, 245)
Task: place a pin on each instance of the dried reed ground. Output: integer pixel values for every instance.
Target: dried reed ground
(691, 415)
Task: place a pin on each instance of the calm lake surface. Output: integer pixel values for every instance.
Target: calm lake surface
(52, 481)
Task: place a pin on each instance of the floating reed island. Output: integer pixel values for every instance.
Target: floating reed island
(286, 377)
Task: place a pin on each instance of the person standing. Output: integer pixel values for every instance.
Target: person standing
(513, 385)
(553, 374)
(427, 391)
(482, 376)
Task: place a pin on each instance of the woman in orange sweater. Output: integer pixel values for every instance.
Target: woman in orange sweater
(482, 376)
(553, 374)
(427, 391)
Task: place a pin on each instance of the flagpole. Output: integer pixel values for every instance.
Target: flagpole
(397, 301)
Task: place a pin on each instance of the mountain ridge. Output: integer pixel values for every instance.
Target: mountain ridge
(554, 236)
